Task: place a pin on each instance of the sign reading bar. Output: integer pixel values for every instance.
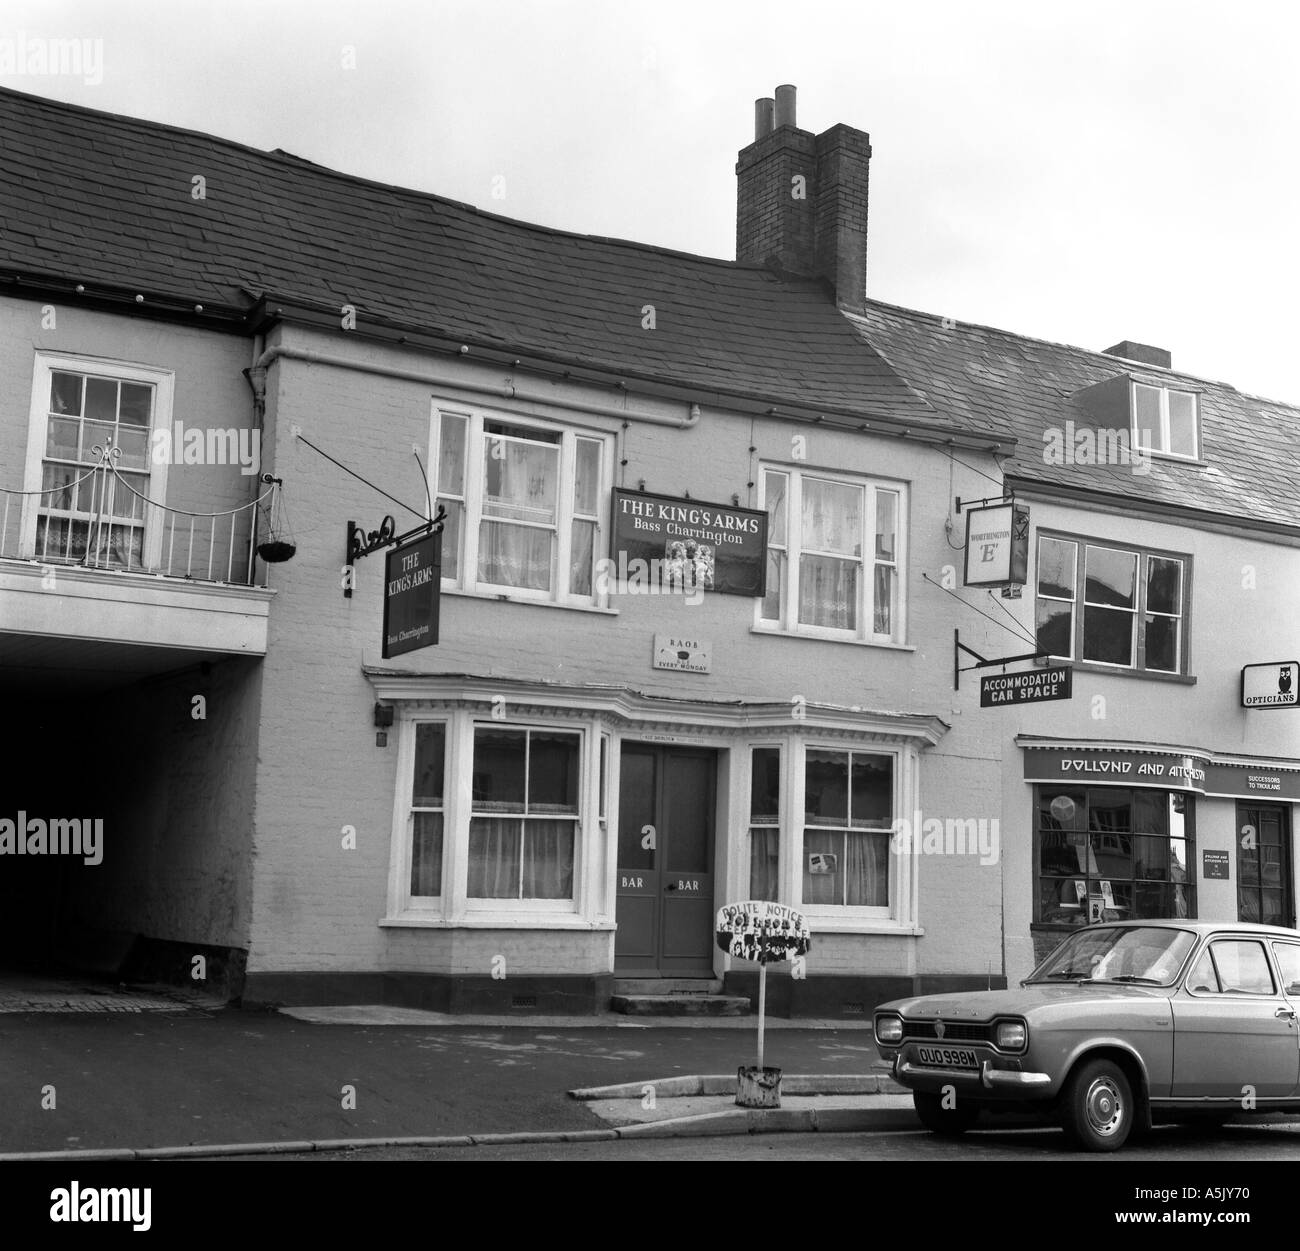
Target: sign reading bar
(997, 545)
(688, 545)
(1274, 685)
(1214, 864)
(412, 580)
(1037, 686)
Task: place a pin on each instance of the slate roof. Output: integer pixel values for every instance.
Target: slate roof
(106, 201)
(992, 381)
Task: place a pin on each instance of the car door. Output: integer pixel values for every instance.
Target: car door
(1235, 1033)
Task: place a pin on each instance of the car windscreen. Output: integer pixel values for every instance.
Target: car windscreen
(1142, 955)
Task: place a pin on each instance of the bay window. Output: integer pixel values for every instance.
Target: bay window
(848, 815)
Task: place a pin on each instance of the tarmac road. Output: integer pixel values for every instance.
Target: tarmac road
(149, 1080)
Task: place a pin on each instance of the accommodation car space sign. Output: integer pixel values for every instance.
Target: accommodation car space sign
(762, 931)
(997, 545)
(687, 545)
(1275, 685)
(412, 580)
(1035, 686)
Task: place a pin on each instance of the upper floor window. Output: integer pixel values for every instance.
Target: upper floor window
(1165, 421)
(1111, 605)
(523, 506)
(84, 514)
(835, 555)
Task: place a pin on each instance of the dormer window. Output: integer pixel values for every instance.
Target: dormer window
(1165, 421)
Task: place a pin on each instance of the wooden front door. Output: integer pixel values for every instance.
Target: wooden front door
(665, 861)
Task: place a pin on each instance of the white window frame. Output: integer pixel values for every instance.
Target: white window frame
(788, 622)
(1165, 445)
(466, 581)
(44, 365)
(455, 907)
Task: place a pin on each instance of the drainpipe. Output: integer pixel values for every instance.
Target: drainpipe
(430, 377)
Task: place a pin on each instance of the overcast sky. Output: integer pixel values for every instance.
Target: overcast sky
(1084, 173)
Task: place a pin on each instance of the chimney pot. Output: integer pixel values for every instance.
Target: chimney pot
(785, 105)
(764, 117)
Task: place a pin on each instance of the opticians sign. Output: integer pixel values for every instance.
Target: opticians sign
(1274, 685)
(688, 545)
(412, 580)
(997, 545)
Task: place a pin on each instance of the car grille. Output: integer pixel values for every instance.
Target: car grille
(953, 1031)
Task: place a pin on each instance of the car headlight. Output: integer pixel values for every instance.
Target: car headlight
(1011, 1035)
(889, 1029)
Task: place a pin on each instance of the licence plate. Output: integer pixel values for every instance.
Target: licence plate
(947, 1057)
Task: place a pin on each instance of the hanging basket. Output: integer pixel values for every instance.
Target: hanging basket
(276, 551)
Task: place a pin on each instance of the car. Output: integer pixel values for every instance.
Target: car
(1125, 1024)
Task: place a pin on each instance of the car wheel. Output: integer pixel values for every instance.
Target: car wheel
(946, 1122)
(1097, 1109)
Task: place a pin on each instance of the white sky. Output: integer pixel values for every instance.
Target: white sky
(1078, 172)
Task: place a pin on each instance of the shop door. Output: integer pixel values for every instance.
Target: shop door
(1264, 865)
(665, 862)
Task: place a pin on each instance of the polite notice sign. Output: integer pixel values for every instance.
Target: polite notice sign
(1035, 687)
(686, 545)
(412, 580)
(1274, 685)
(762, 931)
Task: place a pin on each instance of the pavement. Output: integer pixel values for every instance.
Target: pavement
(150, 1073)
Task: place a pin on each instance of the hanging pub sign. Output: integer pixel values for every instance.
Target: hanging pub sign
(412, 580)
(681, 545)
(762, 931)
(1274, 685)
(997, 545)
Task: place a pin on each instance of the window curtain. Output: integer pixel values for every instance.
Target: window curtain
(764, 845)
(831, 521)
(494, 858)
(548, 860)
(520, 484)
(426, 853)
(828, 593)
(866, 870)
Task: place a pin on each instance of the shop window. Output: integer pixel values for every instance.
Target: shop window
(427, 809)
(1113, 854)
(1111, 605)
(1264, 888)
(523, 506)
(834, 556)
(848, 815)
(97, 517)
(524, 818)
(764, 822)
(1165, 421)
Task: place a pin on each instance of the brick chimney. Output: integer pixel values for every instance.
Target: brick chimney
(801, 199)
(1143, 353)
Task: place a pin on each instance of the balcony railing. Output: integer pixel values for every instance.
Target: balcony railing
(118, 528)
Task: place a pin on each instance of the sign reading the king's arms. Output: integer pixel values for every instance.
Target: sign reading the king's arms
(689, 545)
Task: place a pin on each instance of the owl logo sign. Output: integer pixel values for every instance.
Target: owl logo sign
(1271, 685)
(764, 932)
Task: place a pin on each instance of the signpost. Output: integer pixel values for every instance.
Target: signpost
(412, 580)
(767, 933)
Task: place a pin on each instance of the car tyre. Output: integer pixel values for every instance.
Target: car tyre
(1098, 1109)
(946, 1122)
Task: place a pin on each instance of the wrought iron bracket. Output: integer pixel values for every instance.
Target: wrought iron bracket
(362, 543)
(980, 661)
